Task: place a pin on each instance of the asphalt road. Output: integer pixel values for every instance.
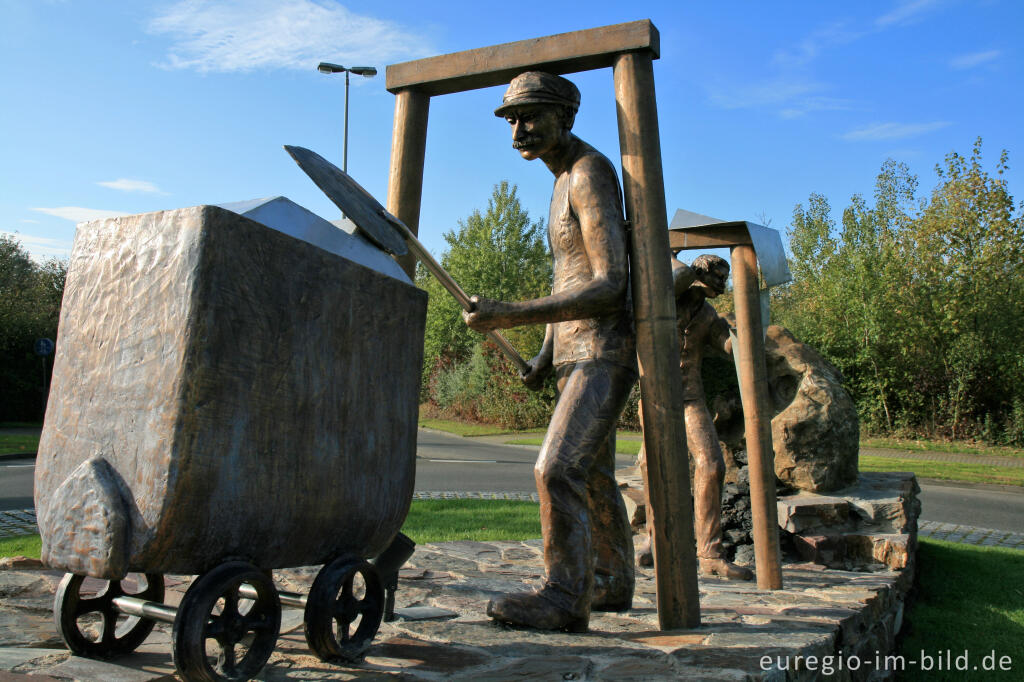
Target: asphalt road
(16, 483)
(451, 463)
(984, 506)
(445, 462)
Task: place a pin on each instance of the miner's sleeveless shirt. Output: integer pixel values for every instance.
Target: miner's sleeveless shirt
(608, 337)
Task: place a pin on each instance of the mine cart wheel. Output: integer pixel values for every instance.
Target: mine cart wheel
(344, 609)
(221, 635)
(93, 626)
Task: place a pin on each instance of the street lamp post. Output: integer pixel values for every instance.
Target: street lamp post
(368, 72)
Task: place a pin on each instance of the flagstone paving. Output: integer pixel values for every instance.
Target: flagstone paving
(746, 633)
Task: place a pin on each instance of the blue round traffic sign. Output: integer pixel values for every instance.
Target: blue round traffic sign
(44, 347)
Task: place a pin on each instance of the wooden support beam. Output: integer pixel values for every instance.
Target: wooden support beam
(756, 417)
(497, 65)
(670, 504)
(405, 180)
(722, 235)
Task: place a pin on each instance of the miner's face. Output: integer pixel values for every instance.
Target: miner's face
(714, 282)
(536, 129)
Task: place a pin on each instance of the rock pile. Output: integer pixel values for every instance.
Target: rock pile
(815, 429)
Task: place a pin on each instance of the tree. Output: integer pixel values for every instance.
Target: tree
(30, 296)
(967, 281)
(918, 303)
(499, 254)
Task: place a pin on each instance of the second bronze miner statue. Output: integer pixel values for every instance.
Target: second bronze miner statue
(701, 329)
(590, 344)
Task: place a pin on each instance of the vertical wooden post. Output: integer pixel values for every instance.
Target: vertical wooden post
(756, 417)
(668, 469)
(408, 148)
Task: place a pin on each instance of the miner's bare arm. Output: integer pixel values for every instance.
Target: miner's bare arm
(594, 198)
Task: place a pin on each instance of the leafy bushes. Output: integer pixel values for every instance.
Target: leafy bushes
(502, 255)
(918, 302)
(487, 388)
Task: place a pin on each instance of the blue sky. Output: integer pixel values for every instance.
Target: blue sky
(131, 107)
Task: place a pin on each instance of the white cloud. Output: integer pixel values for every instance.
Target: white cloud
(969, 61)
(790, 88)
(794, 97)
(79, 214)
(238, 35)
(128, 185)
(777, 91)
(41, 247)
(808, 49)
(893, 131)
(806, 105)
(906, 12)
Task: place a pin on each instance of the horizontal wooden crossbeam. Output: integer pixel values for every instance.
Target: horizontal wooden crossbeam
(718, 235)
(563, 53)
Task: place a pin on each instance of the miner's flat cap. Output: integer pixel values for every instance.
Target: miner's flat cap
(538, 87)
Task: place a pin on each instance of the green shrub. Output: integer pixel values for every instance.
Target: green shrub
(1014, 431)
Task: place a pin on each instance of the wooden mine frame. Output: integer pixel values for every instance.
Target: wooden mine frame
(753, 379)
(629, 49)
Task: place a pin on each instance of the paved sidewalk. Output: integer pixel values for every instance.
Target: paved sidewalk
(442, 632)
(970, 535)
(15, 522)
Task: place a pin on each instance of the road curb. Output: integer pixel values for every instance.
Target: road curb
(945, 483)
(18, 455)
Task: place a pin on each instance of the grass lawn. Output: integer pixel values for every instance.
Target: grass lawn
(466, 428)
(21, 545)
(428, 521)
(970, 600)
(622, 447)
(947, 471)
(11, 443)
(941, 446)
(445, 520)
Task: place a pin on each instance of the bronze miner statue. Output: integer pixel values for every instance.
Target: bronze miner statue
(701, 329)
(590, 344)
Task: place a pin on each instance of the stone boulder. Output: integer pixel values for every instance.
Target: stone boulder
(815, 430)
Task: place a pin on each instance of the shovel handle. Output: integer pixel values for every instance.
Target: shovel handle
(454, 289)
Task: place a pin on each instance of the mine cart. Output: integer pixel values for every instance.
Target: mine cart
(227, 399)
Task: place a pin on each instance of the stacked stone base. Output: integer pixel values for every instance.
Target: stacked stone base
(837, 616)
(821, 620)
(870, 523)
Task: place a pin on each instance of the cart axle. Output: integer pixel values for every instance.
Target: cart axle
(142, 608)
(287, 598)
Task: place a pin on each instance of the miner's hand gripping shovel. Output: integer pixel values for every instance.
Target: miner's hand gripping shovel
(386, 231)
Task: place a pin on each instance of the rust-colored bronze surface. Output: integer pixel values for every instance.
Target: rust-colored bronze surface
(701, 330)
(629, 49)
(590, 344)
(750, 354)
(247, 394)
